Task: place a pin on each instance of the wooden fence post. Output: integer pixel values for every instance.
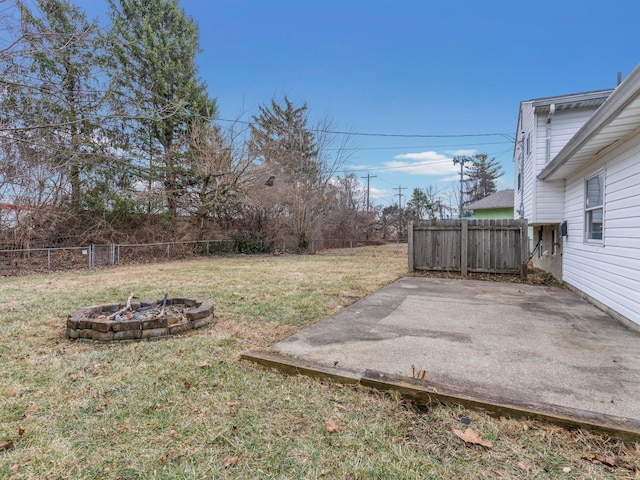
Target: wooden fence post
(410, 247)
(464, 241)
(524, 242)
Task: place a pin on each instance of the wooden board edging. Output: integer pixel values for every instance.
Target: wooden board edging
(619, 427)
(297, 366)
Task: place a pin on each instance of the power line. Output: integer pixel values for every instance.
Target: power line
(397, 167)
(420, 146)
(396, 135)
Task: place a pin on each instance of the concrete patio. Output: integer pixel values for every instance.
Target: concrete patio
(509, 348)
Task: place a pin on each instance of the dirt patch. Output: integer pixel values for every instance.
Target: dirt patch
(535, 276)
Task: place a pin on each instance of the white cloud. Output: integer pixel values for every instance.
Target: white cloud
(455, 178)
(466, 153)
(423, 163)
(377, 193)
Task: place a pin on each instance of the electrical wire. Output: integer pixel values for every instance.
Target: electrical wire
(383, 135)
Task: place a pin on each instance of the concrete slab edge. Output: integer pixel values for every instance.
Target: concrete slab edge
(618, 427)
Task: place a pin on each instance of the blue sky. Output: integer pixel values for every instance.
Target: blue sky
(446, 70)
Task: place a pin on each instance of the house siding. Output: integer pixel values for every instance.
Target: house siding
(608, 272)
(549, 196)
(525, 193)
(564, 125)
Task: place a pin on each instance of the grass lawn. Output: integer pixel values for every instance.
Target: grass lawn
(188, 407)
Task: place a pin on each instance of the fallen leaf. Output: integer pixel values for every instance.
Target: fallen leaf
(470, 436)
(6, 445)
(331, 426)
(163, 460)
(187, 385)
(608, 461)
(231, 462)
(20, 432)
(204, 365)
(107, 469)
(15, 468)
(524, 466)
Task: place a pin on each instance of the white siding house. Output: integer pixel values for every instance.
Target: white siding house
(545, 125)
(593, 179)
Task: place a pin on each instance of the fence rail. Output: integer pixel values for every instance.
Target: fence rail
(30, 260)
(479, 246)
(56, 258)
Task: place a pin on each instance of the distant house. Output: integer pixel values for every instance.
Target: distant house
(578, 183)
(495, 206)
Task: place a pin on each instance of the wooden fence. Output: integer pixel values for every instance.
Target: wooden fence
(489, 246)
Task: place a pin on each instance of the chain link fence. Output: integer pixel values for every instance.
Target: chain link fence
(34, 260)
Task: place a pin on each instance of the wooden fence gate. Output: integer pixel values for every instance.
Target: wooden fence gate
(484, 246)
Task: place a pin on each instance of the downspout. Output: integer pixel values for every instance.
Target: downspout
(552, 110)
(521, 145)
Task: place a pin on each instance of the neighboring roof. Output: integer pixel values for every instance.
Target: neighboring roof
(618, 117)
(501, 199)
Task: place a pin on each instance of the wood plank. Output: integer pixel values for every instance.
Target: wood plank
(487, 400)
(524, 250)
(296, 366)
(464, 239)
(411, 249)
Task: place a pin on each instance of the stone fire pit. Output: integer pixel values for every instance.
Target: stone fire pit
(139, 320)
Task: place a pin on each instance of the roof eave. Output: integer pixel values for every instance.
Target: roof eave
(622, 96)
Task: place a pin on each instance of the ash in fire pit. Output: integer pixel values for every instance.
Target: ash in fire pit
(140, 320)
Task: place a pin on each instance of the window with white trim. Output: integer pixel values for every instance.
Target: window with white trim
(594, 207)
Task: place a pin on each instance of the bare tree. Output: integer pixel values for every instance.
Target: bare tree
(219, 175)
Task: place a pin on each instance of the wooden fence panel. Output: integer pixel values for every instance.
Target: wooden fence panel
(493, 246)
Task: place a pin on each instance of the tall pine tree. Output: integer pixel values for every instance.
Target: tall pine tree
(286, 148)
(154, 45)
(55, 97)
(481, 177)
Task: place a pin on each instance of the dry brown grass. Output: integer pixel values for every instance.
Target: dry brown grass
(187, 407)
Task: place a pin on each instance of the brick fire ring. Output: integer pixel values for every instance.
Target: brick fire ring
(181, 315)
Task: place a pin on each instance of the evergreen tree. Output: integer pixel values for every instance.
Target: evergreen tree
(481, 177)
(52, 96)
(282, 143)
(420, 206)
(154, 44)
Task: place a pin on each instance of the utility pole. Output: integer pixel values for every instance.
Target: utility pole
(368, 177)
(461, 160)
(439, 206)
(400, 195)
